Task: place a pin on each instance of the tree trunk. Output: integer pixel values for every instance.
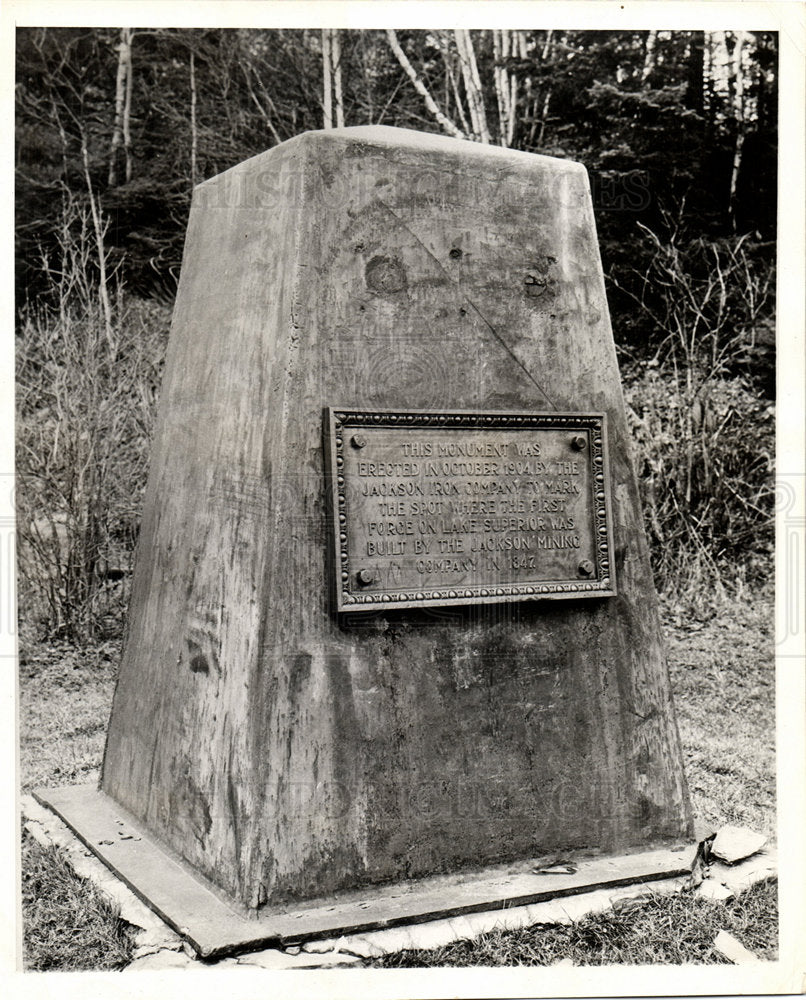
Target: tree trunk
(120, 90)
(544, 111)
(327, 83)
(649, 56)
(420, 87)
(446, 48)
(696, 72)
(472, 81)
(738, 112)
(193, 138)
(506, 85)
(127, 102)
(500, 53)
(335, 55)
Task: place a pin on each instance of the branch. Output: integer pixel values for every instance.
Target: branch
(420, 87)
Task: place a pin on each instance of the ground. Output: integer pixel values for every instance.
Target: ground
(722, 672)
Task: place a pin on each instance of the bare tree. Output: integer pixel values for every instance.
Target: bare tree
(472, 82)
(193, 135)
(121, 130)
(450, 127)
(739, 115)
(99, 228)
(327, 79)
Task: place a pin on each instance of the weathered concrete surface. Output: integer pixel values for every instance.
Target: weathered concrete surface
(154, 935)
(284, 753)
(439, 933)
(158, 947)
(210, 925)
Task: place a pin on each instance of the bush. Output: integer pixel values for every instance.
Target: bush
(704, 462)
(700, 409)
(85, 407)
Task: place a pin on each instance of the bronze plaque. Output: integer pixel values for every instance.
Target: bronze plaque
(434, 508)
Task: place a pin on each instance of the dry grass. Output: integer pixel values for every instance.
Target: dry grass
(723, 677)
(68, 925)
(668, 930)
(65, 699)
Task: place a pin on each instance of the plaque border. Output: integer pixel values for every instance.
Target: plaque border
(340, 418)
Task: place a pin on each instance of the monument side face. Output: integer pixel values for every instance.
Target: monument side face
(287, 751)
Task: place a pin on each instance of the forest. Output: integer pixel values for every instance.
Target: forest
(115, 127)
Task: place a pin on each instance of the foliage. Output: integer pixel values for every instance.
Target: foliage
(703, 426)
(643, 111)
(85, 400)
(704, 460)
(68, 924)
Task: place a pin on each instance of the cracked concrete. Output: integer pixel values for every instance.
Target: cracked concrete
(159, 947)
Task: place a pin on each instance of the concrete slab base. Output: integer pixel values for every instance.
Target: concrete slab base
(214, 928)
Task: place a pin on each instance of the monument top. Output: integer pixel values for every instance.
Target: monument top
(390, 137)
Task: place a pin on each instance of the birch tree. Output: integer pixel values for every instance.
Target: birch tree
(447, 124)
(327, 80)
(472, 82)
(121, 130)
(739, 115)
(193, 133)
(649, 55)
(505, 45)
(332, 94)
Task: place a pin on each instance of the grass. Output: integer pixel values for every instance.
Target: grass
(67, 924)
(723, 678)
(722, 675)
(65, 699)
(660, 929)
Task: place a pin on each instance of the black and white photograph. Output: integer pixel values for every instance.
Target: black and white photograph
(403, 537)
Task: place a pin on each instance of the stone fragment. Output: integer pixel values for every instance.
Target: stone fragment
(727, 946)
(703, 831)
(160, 960)
(734, 843)
(273, 958)
(743, 874)
(156, 938)
(712, 889)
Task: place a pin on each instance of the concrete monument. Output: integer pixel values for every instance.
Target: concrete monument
(393, 617)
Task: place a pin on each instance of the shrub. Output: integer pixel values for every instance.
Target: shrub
(704, 462)
(85, 406)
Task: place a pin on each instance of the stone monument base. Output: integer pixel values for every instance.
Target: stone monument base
(213, 927)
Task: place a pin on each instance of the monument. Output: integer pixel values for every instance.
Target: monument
(393, 621)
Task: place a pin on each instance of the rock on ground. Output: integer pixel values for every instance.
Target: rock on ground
(735, 843)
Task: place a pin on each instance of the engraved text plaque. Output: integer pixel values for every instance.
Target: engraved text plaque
(433, 508)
